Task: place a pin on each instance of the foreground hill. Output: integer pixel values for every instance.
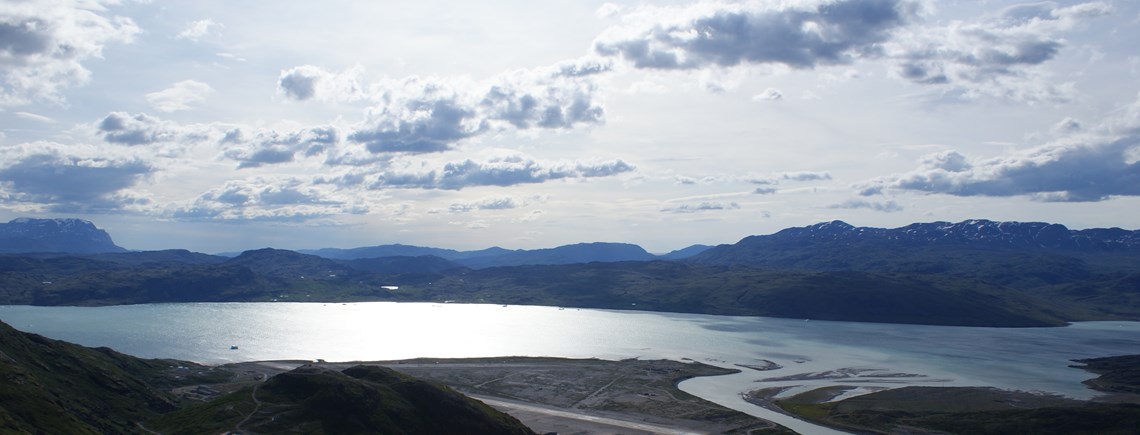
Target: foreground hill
(51, 386)
(55, 387)
(358, 400)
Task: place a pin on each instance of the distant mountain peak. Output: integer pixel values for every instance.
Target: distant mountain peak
(971, 233)
(76, 236)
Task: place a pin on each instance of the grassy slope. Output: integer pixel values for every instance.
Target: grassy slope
(362, 399)
(50, 386)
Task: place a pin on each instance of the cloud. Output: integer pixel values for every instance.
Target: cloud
(1091, 166)
(769, 94)
(265, 199)
(422, 115)
(704, 206)
(501, 170)
(70, 178)
(994, 58)
(43, 46)
(141, 129)
(432, 114)
(767, 183)
(428, 119)
(271, 147)
(489, 203)
(764, 190)
(34, 117)
(805, 176)
(308, 82)
(199, 29)
(886, 207)
(1091, 171)
(179, 96)
(797, 36)
(607, 10)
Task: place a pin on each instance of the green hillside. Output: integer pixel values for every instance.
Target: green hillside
(54, 387)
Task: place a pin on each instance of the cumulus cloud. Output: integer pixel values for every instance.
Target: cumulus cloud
(887, 207)
(141, 129)
(308, 82)
(270, 147)
(43, 46)
(993, 58)
(420, 115)
(432, 114)
(179, 96)
(70, 178)
(1083, 171)
(704, 206)
(1090, 166)
(199, 29)
(265, 199)
(489, 203)
(501, 170)
(796, 35)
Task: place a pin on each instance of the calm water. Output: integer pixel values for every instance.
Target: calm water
(1034, 359)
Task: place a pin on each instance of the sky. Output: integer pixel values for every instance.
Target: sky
(220, 126)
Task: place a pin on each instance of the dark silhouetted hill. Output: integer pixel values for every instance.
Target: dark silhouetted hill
(359, 400)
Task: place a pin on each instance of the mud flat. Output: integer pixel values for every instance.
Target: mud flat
(581, 396)
(974, 410)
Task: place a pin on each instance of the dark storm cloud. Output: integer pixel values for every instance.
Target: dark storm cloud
(798, 37)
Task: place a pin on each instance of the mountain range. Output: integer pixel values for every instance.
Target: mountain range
(974, 273)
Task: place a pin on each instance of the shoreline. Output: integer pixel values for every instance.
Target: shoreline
(559, 394)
